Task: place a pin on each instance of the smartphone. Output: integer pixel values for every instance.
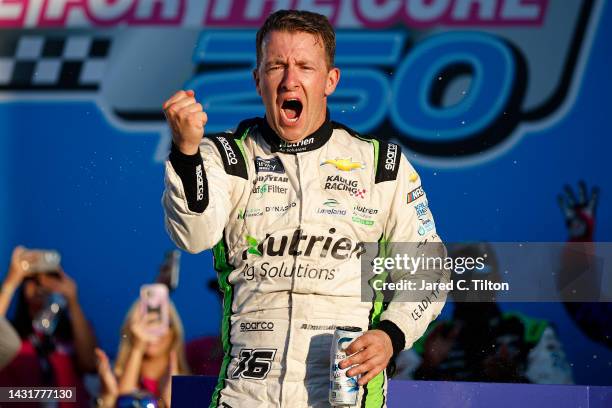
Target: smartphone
(40, 260)
(154, 301)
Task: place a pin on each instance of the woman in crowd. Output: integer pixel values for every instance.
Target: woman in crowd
(145, 361)
(59, 355)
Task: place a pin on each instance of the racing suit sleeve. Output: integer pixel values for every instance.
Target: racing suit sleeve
(196, 200)
(410, 230)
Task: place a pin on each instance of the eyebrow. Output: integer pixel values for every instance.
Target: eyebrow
(275, 62)
(279, 61)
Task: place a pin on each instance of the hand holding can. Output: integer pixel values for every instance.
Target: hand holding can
(343, 390)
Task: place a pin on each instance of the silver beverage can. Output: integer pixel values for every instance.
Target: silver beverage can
(343, 390)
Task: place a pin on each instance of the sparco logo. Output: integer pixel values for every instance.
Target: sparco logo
(391, 157)
(299, 244)
(256, 326)
(200, 182)
(229, 152)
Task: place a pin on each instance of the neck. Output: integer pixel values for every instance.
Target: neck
(155, 367)
(310, 142)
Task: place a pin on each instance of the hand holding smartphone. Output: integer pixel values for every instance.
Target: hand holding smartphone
(40, 260)
(154, 308)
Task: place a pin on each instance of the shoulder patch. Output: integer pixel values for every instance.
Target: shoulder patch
(232, 156)
(389, 156)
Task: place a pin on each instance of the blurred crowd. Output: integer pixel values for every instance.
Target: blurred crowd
(483, 343)
(49, 341)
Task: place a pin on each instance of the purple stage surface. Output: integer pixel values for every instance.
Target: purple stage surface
(476, 395)
(196, 391)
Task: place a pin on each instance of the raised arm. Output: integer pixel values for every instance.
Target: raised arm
(197, 198)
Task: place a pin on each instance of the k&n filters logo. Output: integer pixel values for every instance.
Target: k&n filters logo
(456, 81)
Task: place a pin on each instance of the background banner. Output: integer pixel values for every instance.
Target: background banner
(497, 103)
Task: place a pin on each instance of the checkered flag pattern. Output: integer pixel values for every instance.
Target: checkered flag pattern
(359, 193)
(52, 62)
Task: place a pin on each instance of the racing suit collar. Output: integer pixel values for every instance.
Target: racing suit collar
(312, 142)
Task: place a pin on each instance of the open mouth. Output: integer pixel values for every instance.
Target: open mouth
(292, 109)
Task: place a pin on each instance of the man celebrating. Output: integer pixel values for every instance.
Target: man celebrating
(287, 203)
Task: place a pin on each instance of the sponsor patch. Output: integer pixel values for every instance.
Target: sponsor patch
(330, 244)
(365, 210)
(233, 161)
(415, 194)
(391, 157)
(265, 189)
(249, 212)
(306, 326)
(280, 208)
(363, 221)
(199, 183)
(363, 215)
(426, 226)
(301, 146)
(256, 326)
(331, 202)
(230, 155)
(256, 212)
(267, 178)
(344, 164)
(271, 165)
(421, 209)
(339, 183)
(330, 211)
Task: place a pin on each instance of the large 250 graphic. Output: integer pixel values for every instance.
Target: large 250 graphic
(444, 96)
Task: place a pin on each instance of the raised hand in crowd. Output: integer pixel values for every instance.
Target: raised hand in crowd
(109, 391)
(579, 211)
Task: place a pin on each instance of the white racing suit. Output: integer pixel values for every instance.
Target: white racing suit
(287, 223)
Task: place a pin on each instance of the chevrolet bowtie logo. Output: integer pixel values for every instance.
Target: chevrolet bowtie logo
(344, 164)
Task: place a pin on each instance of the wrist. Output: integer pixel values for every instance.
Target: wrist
(396, 336)
(73, 300)
(188, 149)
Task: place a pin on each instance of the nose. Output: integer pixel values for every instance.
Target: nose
(290, 79)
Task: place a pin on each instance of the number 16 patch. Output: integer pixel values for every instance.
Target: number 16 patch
(254, 364)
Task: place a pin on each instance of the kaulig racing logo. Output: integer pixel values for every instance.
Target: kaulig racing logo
(299, 244)
(454, 81)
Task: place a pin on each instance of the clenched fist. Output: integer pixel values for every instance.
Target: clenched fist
(187, 119)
